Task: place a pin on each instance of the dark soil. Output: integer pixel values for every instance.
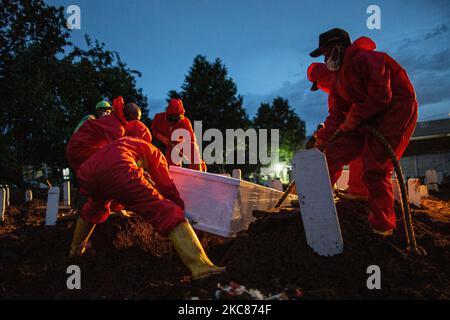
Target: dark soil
(128, 260)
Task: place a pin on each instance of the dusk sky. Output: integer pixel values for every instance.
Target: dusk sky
(265, 44)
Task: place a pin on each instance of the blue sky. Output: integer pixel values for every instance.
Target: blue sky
(265, 44)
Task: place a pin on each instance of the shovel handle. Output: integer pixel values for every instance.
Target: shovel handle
(285, 195)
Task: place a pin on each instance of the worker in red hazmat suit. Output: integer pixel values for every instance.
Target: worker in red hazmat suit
(102, 109)
(93, 135)
(135, 173)
(163, 126)
(322, 78)
(370, 88)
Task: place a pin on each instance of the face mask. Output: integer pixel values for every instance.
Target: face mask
(333, 62)
(174, 118)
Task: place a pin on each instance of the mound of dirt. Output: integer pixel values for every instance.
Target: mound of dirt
(129, 260)
(277, 249)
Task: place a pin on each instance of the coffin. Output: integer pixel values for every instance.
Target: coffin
(221, 205)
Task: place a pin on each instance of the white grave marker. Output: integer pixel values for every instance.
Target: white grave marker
(6, 187)
(431, 180)
(28, 195)
(66, 193)
(8, 201)
(52, 206)
(276, 184)
(414, 191)
(2, 204)
(237, 174)
(315, 196)
(423, 192)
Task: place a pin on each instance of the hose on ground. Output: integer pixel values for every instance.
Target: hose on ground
(406, 210)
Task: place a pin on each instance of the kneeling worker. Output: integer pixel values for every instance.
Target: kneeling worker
(134, 172)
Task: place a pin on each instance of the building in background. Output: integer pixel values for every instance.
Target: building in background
(429, 149)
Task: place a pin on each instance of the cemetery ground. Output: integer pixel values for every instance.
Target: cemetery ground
(128, 260)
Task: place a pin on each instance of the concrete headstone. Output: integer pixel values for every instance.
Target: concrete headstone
(52, 206)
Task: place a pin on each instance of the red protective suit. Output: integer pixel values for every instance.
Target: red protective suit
(374, 89)
(116, 172)
(318, 73)
(161, 126)
(137, 129)
(323, 78)
(355, 183)
(93, 135)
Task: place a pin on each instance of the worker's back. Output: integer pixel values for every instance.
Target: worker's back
(91, 137)
(125, 159)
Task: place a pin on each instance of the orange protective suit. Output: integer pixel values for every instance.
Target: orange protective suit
(93, 135)
(323, 79)
(370, 88)
(162, 130)
(135, 173)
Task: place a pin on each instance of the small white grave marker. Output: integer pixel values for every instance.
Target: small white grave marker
(276, 184)
(52, 206)
(8, 201)
(431, 180)
(67, 193)
(414, 191)
(6, 187)
(423, 192)
(237, 174)
(28, 195)
(2, 204)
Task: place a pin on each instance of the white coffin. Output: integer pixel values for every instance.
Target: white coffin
(221, 205)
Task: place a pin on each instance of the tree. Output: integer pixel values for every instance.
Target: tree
(281, 116)
(48, 85)
(210, 96)
(31, 37)
(173, 94)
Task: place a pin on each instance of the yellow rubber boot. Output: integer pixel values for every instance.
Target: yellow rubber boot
(81, 235)
(191, 252)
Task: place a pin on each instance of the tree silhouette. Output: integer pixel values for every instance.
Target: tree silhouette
(48, 85)
(281, 116)
(210, 95)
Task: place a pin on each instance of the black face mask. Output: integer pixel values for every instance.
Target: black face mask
(174, 118)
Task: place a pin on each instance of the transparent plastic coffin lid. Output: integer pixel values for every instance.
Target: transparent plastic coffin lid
(221, 205)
